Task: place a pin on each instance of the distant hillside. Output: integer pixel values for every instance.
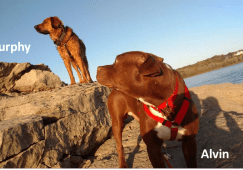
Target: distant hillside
(213, 63)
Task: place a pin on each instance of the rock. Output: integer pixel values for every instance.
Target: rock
(56, 103)
(6, 68)
(24, 77)
(37, 80)
(71, 122)
(19, 134)
(9, 77)
(29, 158)
(221, 126)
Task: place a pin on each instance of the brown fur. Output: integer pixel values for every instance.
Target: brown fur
(71, 48)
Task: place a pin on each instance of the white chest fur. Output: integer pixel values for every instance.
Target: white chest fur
(164, 132)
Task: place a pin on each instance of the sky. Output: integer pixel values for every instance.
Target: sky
(182, 32)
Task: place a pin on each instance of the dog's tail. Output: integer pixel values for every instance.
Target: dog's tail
(83, 53)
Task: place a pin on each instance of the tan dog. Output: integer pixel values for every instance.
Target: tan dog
(70, 47)
(166, 109)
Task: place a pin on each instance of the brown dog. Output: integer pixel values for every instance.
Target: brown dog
(69, 46)
(166, 110)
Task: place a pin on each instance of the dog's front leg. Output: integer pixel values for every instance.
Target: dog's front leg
(151, 139)
(66, 59)
(154, 149)
(189, 147)
(117, 132)
(117, 111)
(69, 69)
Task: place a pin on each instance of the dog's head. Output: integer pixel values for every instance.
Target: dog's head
(138, 74)
(51, 25)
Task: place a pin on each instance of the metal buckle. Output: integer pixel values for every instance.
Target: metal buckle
(186, 98)
(167, 156)
(164, 122)
(175, 125)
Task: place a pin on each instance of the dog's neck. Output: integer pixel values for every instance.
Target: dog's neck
(165, 83)
(64, 36)
(155, 98)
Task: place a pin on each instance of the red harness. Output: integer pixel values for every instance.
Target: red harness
(170, 103)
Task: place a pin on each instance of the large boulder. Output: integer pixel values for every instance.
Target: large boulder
(24, 77)
(58, 128)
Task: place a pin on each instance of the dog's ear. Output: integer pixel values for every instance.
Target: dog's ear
(56, 22)
(158, 58)
(148, 66)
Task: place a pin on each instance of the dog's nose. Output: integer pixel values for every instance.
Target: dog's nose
(100, 73)
(100, 69)
(36, 27)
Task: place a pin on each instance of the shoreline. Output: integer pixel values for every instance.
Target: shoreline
(211, 64)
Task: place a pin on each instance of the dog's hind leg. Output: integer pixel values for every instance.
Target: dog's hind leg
(88, 75)
(80, 64)
(75, 66)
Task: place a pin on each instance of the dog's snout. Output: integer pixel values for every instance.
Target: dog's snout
(99, 68)
(100, 72)
(36, 27)
(104, 76)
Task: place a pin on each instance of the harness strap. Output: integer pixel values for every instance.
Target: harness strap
(181, 114)
(170, 101)
(179, 117)
(174, 132)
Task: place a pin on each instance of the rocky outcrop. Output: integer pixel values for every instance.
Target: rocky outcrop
(24, 77)
(221, 129)
(58, 128)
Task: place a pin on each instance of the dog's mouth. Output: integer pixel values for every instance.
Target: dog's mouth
(42, 32)
(45, 32)
(109, 85)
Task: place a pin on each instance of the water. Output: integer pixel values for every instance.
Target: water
(230, 74)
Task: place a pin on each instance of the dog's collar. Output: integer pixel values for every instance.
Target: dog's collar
(58, 42)
(170, 103)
